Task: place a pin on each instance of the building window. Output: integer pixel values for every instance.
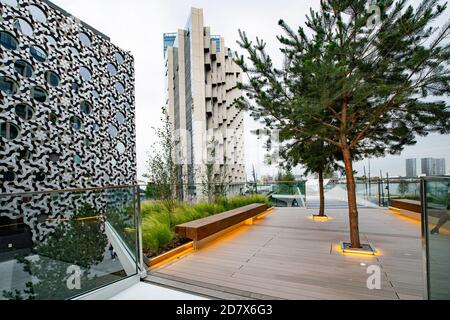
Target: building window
(25, 154)
(112, 101)
(11, 3)
(54, 157)
(95, 94)
(120, 147)
(85, 73)
(23, 27)
(37, 13)
(75, 87)
(24, 111)
(52, 78)
(119, 58)
(73, 52)
(8, 86)
(75, 123)
(39, 94)
(38, 53)
(53, 118)
(120, 88)
(77, 159)
(9, 131)
(85, 40)
(51, 41)
(40, 176)
(9, 176)
(95, 127)
(111, 69)
(113, 132)
(8, 41)
(24, 68)
(86, 107)
(120, 117)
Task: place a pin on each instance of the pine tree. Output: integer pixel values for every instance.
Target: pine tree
(367, 88)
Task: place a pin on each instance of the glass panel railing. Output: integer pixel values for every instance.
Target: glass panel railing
(63, 244)
(436, 229)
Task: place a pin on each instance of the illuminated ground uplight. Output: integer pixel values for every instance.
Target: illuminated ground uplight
(320, 218)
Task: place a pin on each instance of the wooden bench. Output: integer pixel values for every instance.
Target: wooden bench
(203, 228)
(409, 205)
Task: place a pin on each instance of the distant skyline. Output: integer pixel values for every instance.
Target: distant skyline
(138, 26)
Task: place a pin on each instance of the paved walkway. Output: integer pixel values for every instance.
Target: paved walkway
(288, 256)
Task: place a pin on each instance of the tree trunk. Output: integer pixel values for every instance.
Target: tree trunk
(322, 195)
(351, 193)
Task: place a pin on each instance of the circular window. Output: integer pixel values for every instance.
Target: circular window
(53, 118)
(75, 87)
(51, 41)
(24, 111)
(120, 147)
(54, 157)
(23, 27)
(77, 159)
(73, 52)
(23, 68)
(9, 176)
(40, 176)
(9, 131)
(8, 41)
(113, 132)
(85, 73)
(52, 78)
(75, 123)
(119, 58)
(37, 13)
(120, 117)
(95, 94)
(25, 154)
(120, 88)
(11, 3)
(39, 94)
(87, 143)
(85, 39)
(112, 101)
(111, 69)
(86, 107)
(38, 53)
(113, 162)
(95, 127)
(8, 86)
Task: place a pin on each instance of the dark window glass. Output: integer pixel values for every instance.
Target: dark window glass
(24, 111)
(53, 118)
(75, 123)
(9, 176)
(52, 78)
(40, 176)
(23, 68)
(9, 131)
(39, 94)
(86, 107)
(25, 154)
(54, 157)
(8, 86)
(75, 87)
(8, 41)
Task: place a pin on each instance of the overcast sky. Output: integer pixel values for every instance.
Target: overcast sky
(138, 26)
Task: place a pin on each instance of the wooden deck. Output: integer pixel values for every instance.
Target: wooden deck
(288, 256)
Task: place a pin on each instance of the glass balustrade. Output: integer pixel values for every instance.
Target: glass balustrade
(63, 244)
(436, 236)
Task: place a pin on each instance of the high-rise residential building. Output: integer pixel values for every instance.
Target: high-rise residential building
(411, 168)
(201, 83)
(67, 118)
(433, 167)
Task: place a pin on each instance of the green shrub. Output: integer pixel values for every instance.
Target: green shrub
(156, 226)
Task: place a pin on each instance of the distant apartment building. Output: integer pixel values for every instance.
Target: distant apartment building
(67, 117)
(201, 83)
(433, 167)
(411, 168)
